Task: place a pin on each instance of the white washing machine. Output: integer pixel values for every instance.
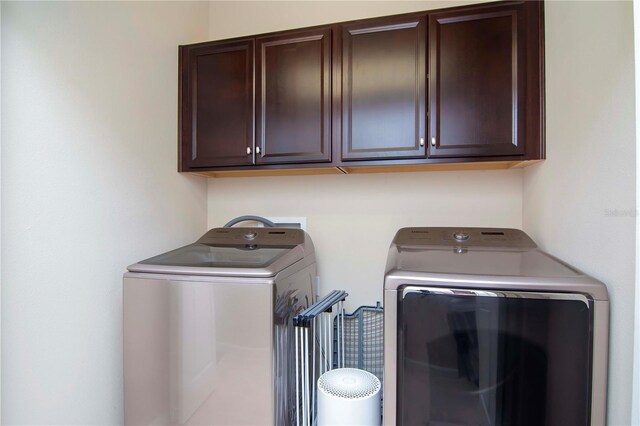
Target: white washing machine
(483, 328)
(208, 328)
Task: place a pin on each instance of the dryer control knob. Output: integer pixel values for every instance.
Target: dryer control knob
(461, 236)
(250, 235)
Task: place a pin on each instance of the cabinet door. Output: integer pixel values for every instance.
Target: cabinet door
(383, 89)
(477, 82)
(217, 119)
(293, 93)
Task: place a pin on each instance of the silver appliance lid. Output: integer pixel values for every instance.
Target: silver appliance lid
(483, 258)
(237, 252)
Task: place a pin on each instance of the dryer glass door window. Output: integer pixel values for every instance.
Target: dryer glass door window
(469, 357)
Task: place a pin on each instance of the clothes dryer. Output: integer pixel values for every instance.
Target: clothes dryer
(484, 328)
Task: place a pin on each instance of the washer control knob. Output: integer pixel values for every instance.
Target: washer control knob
(250, 235)
(460, 236)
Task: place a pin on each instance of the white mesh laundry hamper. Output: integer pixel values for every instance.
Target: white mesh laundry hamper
(348, 396)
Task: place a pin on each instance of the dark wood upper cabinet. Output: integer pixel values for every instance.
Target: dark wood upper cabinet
(460, 85)
(216, 115)
(293, 97)
(482, 71)
(383, 89)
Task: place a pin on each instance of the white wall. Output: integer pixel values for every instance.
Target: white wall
(352, 218)
(88, 181)
(235, 19)
(635, 399)
(0, 211)
(89, 185)
(569, 202)
(580, 203)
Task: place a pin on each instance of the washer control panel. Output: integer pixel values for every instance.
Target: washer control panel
(255, 236)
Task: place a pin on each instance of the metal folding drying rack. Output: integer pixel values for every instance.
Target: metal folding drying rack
(362, 334)
(314, 340)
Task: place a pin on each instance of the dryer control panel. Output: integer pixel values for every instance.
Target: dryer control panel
(464, 237)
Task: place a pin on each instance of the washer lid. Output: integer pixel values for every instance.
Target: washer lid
(243, 252)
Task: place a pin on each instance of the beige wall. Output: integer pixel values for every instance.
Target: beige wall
(353, 218)
(0, 213)
(88, 181)
(570, 201)
(635, 398)
(565, 201)
(234, 19)
(89, 185)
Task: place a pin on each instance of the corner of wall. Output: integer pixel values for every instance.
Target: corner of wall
(635, 407)
(580, 204)
(1, 422)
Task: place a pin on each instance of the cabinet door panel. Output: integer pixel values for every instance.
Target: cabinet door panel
(218, 123)
(477, 82)
(383, 89)
(294, 97)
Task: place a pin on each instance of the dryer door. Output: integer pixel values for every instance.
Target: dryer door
(485, 357)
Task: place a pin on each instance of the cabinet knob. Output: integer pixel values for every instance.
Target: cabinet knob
(257, 150)
(248, 150)
(421, 141)
(433, 141)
